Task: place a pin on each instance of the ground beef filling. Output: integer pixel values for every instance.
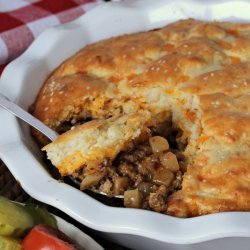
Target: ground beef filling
(153, 172)
(146, 174)
(74, 121)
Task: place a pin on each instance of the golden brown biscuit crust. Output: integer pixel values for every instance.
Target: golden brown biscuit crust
(198, 71)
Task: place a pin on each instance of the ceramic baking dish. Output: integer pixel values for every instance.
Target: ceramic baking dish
(21, 80)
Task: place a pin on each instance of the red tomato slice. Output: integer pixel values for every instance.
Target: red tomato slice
(43, 237)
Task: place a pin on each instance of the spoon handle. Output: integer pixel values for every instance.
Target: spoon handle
(25, 116)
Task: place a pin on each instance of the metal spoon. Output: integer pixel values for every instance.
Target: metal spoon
(34, 122)
(25, 116)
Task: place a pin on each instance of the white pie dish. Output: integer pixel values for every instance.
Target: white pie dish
(77, 235)
(133, 228)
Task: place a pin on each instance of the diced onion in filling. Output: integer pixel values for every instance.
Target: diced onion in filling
(91, 180)
(158, 144)
(169, 161)
(132, 198)
(120, 184)
(163, 176)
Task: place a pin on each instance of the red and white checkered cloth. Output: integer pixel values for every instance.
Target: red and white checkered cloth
(23, 20)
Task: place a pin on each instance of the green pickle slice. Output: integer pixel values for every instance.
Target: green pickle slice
(41, 215)
(15, 220)
(8, 243)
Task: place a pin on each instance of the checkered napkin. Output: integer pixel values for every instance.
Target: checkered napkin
(23, 20)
